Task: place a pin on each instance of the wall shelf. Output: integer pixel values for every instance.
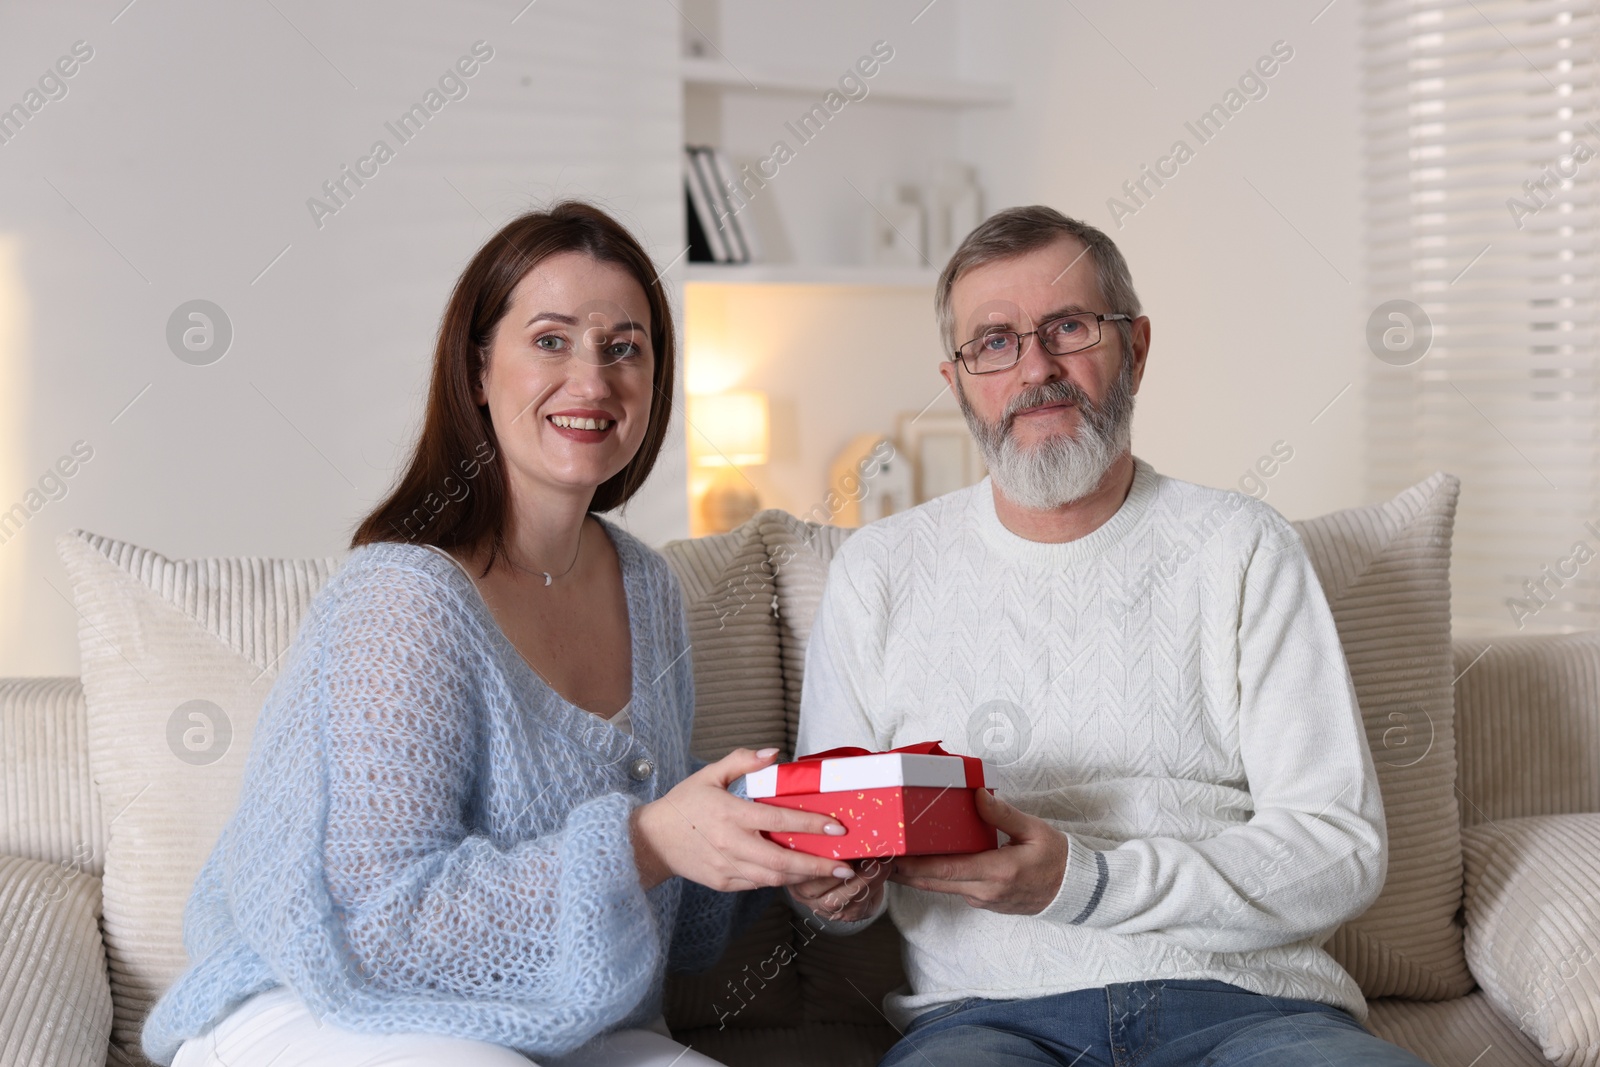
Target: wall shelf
(721, 75)
(810, 274)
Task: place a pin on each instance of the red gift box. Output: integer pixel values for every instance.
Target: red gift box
(914, 801)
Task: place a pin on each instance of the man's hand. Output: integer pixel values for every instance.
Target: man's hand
(1020, 877)
(846, 899)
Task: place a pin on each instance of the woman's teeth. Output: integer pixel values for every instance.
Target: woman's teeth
(573, 423)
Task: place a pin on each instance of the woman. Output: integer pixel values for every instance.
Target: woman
(469, 823)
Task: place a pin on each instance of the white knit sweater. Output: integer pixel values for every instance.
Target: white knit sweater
(1169, 691)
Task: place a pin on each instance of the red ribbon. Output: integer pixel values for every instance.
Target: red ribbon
(804, 775)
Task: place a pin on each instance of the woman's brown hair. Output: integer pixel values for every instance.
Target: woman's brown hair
(455, 491)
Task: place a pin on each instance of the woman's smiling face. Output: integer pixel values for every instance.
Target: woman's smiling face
(569, 372)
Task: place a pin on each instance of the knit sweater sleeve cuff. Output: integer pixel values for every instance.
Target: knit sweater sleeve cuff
(1084, 885)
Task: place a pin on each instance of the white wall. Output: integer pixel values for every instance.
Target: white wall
(186, 148)
(1248, 261)
(184, 153)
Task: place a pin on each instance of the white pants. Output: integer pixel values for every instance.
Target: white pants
(276, 1027)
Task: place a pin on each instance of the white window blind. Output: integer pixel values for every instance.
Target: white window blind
(1482, 137)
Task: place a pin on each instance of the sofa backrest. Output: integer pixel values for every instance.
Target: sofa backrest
(1528, 725)
(1529, 707)
(48, 800)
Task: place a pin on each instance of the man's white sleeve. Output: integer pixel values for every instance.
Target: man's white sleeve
(1314, 852)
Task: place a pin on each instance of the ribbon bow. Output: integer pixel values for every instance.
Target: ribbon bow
(804, 775)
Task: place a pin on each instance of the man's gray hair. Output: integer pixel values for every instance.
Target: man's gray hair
(1018, 230)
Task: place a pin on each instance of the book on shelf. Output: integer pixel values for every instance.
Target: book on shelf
(708, 178)
(699, 243)
(742, 227)
(702, 214)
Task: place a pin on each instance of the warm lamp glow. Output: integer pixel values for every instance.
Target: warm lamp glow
(729, 429)
(709, 369)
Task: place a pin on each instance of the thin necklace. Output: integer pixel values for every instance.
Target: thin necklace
(547, 576)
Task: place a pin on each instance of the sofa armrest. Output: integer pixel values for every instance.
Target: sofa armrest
(1533, 927)
(49, 806)
(55, 999)
(1527, 725)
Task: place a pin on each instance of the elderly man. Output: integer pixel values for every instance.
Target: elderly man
(1152, 672)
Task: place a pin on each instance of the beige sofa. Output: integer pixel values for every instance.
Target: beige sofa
(116, 783)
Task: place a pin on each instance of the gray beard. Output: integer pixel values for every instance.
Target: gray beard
(1062, 468)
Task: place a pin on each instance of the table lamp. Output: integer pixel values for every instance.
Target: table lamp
(728, 431)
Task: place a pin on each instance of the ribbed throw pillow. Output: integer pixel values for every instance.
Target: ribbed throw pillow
(1385, 571)
(1527, 734)
(800, 553)
(177, 658)
(727, 589)
(1533, 928)
(55, 1007)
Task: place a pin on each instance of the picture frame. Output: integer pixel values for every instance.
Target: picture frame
(943, 454)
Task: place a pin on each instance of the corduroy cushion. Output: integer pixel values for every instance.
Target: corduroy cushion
(800, 552)
(1468, 1031)
(738, 696)
(49, 807)
(177, 658)
(1533, 928)
(1385, 571)
(727, 588)
(1528, 725)
(55, 1006)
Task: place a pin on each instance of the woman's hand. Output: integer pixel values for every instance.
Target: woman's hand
(701, 831)
(846, 899)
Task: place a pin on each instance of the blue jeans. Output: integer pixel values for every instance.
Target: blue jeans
(1148, 1024)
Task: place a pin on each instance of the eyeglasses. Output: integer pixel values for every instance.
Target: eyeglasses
(999, 350)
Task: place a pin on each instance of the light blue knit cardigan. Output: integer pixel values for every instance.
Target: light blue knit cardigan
(429, 838)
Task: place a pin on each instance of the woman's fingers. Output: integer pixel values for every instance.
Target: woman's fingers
(739, 762)
(742, 849)
(799, 866)
(774, 819)
(715, 821)
(754, 817)
(770, 817)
